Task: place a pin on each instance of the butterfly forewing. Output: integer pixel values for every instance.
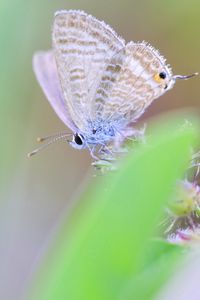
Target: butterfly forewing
(45, 69)
(134, 82)
(83, 47)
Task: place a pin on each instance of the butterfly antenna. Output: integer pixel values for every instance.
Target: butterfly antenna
(48, 137)
(53, 139)
(184, 77)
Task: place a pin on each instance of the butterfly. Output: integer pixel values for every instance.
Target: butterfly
(97, 84)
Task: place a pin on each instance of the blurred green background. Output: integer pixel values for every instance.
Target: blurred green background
(34, 192)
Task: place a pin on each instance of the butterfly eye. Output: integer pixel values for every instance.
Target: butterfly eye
(78, 139)
(159, 77)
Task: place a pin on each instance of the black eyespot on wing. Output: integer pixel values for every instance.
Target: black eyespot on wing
(162, 75)
(78, 140)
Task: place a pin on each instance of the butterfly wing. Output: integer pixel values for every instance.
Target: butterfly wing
(45, 69)
(133, 83)
(83, 47)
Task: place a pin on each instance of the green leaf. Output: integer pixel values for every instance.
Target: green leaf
(102, 248)
(161, 263)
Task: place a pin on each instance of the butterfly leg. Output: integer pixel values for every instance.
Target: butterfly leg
(92, 151)
(105, 149)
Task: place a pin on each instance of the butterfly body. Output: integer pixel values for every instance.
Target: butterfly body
(101, 131)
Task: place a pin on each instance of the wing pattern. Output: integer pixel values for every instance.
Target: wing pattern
(135, 83)
(83, 46)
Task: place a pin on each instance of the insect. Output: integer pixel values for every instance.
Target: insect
(97, 84)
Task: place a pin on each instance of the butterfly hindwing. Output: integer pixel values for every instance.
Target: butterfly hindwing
(131, 89)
